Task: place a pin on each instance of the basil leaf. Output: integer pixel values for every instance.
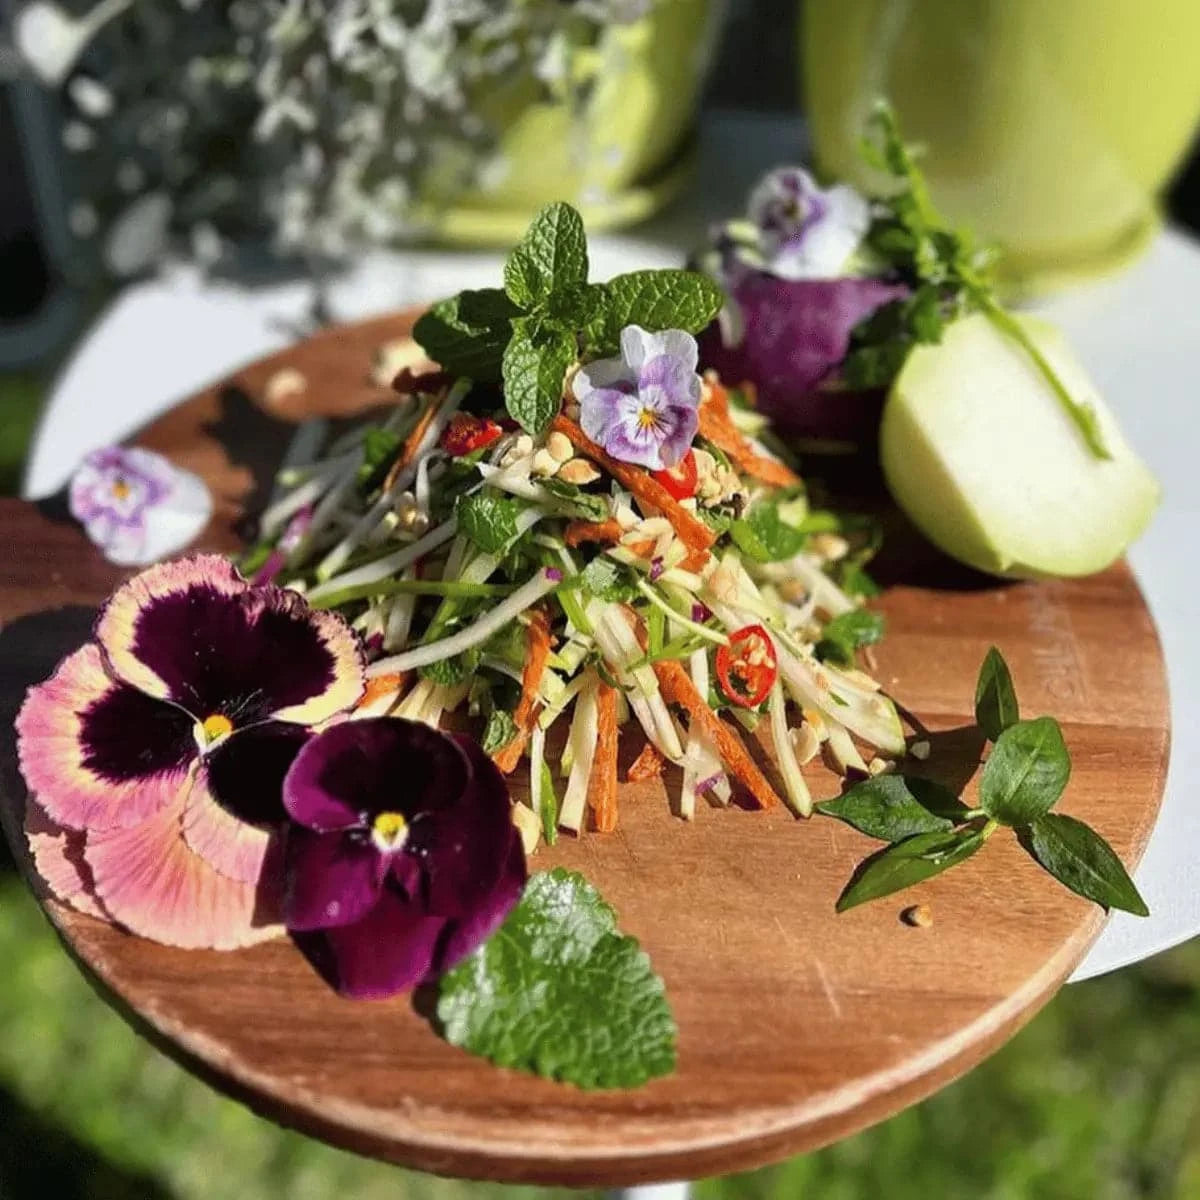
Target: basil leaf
(847, 632)
(551, 257)
(911, 861)
(489, 521)
(499, 731)
(996, 705)
(535, 363)
(462, 346)
(657, 300)
(559, 991)
(1078, 857)
(894, 807)
(1025, 773)
(609, 580)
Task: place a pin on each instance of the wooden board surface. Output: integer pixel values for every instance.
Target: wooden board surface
(797, 1026)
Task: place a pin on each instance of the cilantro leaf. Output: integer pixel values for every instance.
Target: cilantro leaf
(847, 632)
(911, 861)
(551, 257)
(996, 705)
(895, 807)
(463, 345)
(489, 521)
(1079, 858)
(609, 580)
(1025, 773)
(535, 363)
(499, 731)
(666, 299)
(559, 992)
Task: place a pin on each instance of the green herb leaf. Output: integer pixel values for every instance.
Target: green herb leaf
(996, 705)
(463, 346)
(1025, 773)
(1078, 857)
(895, 807)
(763, 535)
(451, 671)
(657, 300)
(523, 282)
(499, 731)
(573, 501)
(577, 306)
(489, 521)
(609, 580)
(847, 632)
(911, 861)
(380, 447)
(535, 362)
(854, 580)
(486, 308)
(558, 991)
(552, 256)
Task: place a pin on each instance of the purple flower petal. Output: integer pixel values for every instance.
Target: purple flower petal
(332, 878)
(393, 948)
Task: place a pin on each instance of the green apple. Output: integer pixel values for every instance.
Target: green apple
(988, 463)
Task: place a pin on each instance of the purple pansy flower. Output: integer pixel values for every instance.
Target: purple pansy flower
(643, 407)
(136, 506)
(155, 755)
(804, 231)
(404, 855)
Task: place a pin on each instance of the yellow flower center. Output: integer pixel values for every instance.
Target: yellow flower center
(120, 488)
(216, 726)
(389, 830)
(647, 418)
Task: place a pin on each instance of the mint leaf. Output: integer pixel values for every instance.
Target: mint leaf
(996, 705)
(846, 633)
(609, 580)
(577, 306)
(486, 308)
(551, 257)
(535, 363)
(893, 807)
(499, 731)
(463, 346)
(489, 521)
(854, 580)
(657, 300)
(1078, 857)
(573, 501)
(559, 992)
(1025, 773)
(911, 861)
(453, 670)
(765, 536)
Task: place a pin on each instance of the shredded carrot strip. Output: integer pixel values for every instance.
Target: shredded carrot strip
(716, 426)
(538, 651)
(642, 549)
(579, 532)
(412, 443)
(602, 785)
(691, 530)
(678, 688)
(382, 685)
(647, 765)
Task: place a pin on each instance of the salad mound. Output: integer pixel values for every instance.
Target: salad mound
(532, 578)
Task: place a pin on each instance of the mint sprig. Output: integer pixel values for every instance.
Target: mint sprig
(930, 830)
(560, 992)
(548, 316)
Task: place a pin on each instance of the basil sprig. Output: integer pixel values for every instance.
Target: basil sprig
(930, 830)
(548, 315)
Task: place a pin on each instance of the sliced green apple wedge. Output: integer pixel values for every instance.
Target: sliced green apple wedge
(987, 461)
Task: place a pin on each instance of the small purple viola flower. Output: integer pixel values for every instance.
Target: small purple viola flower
(643, 407)
(136, 506)
(804, 231)
(403, 857)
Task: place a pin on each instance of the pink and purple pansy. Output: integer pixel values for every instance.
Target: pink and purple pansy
(155, 755)
(643, 407)
(402, 856)
(136, 506)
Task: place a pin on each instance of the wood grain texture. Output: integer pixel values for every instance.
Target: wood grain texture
(797, 1026)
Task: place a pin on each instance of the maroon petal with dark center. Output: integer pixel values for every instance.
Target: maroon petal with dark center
(392, 949)
(194, 632)
(463, 845)
(351, 772)
(332, 878)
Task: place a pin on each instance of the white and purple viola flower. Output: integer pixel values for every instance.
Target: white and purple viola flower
(402, 857)
(136, 506)
(643, 407)
(155, 755)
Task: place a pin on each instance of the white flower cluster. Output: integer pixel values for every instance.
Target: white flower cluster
(324, 123)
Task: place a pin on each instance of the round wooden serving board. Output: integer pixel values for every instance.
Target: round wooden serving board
(796, 1026)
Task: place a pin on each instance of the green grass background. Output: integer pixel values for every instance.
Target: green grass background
(1097, 1099)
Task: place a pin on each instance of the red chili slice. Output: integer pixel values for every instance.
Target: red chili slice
(747, 667)
(679, 480)
(465, 434)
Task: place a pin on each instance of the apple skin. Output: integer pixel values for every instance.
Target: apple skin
(983, 458)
